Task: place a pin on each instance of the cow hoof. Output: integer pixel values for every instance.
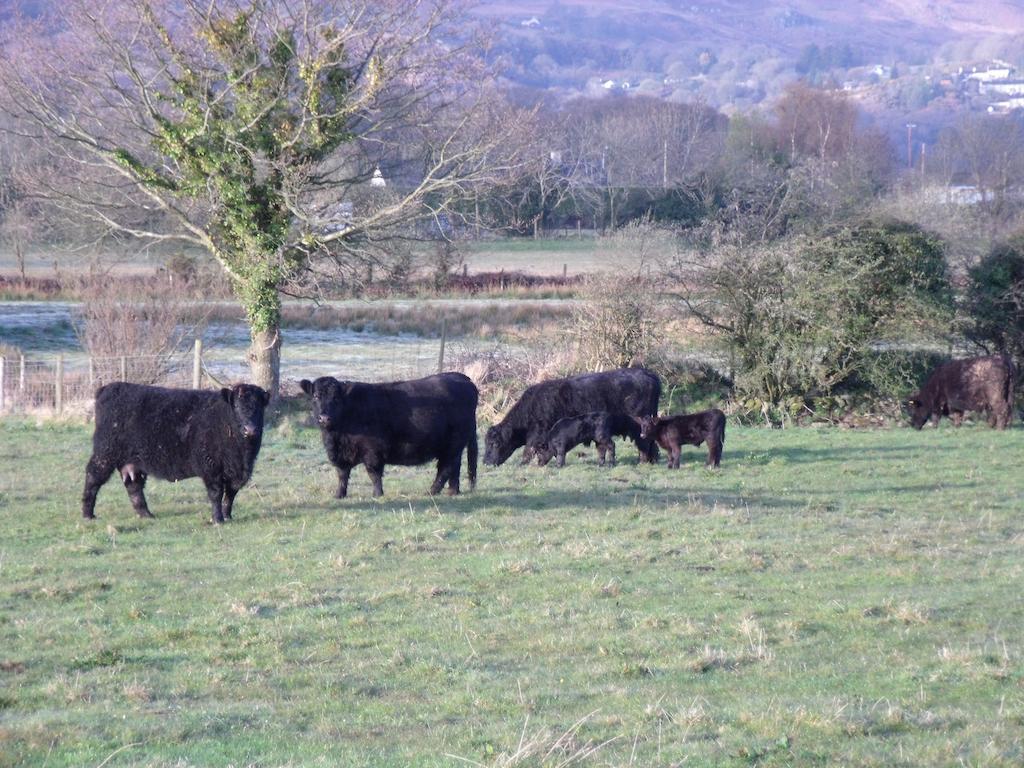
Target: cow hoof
(88, 517)
(145, 513)
(453, 491)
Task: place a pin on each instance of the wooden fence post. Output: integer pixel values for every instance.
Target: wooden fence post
(124, 368)
(92, 374)
(3, 366)
(58, 386)
(21, 377)
(197, 364)
(444, 336)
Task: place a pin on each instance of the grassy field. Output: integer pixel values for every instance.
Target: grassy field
(522, 254)
(827, 597)
(541, 257)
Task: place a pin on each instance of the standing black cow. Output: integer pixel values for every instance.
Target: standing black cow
(403, 422)
(973, 384)
(174, 434)
(626, 391)
(672, 432)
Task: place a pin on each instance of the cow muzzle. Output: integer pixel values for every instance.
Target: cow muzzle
(323, 420)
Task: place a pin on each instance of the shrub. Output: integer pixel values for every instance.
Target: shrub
(805, 317)
(146, 321)
(616, 322)
(994, 299)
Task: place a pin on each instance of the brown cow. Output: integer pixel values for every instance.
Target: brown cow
(671, 432)
(974, 384)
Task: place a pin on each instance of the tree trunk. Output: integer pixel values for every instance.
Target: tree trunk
(265, 359)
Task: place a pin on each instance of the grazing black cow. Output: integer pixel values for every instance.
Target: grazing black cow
(174, 434)
(626, 391)
(671, 432)
(566, 434)
(973, 384)
(403, 422)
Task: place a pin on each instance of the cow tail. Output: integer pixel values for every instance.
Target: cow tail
(1011, 385)
(471, 450)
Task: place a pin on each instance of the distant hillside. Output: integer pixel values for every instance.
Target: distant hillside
(736, 53)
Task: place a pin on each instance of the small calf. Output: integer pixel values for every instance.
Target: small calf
(671, 432)
(566, 434)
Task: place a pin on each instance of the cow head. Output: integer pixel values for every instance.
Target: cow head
(498, 446)
(647, 426)
(543, 453)
(328, 395)
(248, 402)
(920, 411)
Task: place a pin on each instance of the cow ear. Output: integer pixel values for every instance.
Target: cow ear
(228, 395)
(307, 386)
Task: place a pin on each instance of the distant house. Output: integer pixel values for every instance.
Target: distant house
(531, 22)
(609, 84)
(988, 75)
(1002, 87)
(1006, 105)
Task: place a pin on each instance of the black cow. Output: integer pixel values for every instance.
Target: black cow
(403, 422)
(672, 432)
(600, 428)
(626, 391)
(174, 434)
(973, 384)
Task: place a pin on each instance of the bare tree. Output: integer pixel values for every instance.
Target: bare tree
(252, 128)
(17, 225)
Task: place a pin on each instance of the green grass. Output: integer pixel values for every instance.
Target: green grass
(827, 597)
(541, 257)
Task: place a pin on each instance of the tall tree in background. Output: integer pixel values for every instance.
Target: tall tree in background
(250, 128)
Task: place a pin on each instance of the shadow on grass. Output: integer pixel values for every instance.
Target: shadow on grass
(801, 455)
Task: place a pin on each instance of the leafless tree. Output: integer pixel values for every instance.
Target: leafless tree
(252, 129)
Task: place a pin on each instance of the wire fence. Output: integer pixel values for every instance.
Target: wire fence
(59, 384)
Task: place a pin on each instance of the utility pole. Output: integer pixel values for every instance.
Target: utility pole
(910, 146)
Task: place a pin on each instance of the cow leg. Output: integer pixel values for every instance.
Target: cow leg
(215, 492)
(343, 475)
(1003, 417)
(440, 477)
(606, 451)
(134, 483)
(376, 473)
(561, 457)
(229, 500)
(674, 457)
(648, 450)
(957, 417)
(96, 474)
(714, 453)
(454, 470)
(528, 454)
